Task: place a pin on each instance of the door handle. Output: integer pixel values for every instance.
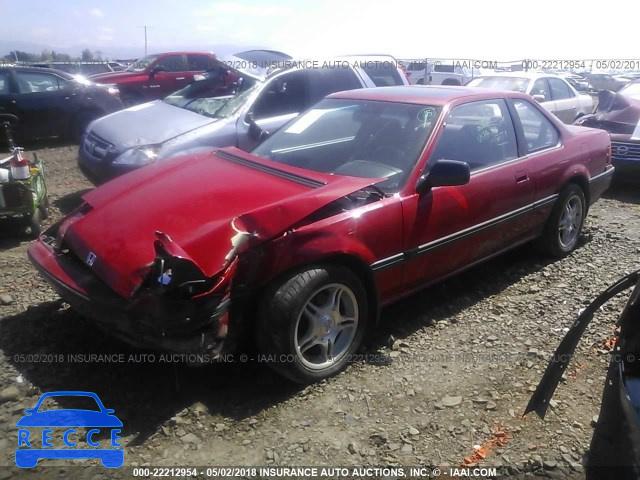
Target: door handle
(522, 177)
(179, 78)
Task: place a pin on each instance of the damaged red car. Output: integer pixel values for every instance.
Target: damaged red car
(365, 198)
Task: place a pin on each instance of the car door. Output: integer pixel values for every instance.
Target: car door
(171, 75)
(42, 104)
(566, 103)
(541, 88)
(7, 93)
(541, 142)
(451, 227)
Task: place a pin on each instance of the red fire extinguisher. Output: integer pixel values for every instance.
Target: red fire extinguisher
(19, 165)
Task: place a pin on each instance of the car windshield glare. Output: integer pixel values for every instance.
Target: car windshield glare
(514, 84)
(632, 90)
(204, 97)
(369, 139)
(141, 64)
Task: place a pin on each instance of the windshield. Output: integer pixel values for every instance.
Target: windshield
(356, 138)
(632, 90)
(514, 84)
(141, 64)
(208, 95)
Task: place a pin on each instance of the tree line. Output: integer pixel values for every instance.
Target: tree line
(52, 56)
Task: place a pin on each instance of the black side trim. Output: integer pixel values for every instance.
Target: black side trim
(293, 177)
(454, 237)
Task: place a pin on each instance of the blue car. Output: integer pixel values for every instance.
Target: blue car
(30, 453)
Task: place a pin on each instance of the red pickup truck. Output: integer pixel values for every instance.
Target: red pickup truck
(155, 76)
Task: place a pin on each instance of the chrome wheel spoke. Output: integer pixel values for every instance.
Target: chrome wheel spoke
(326, 326)
(326, 350)
(333, 302)
(308, 341)
(313, 312)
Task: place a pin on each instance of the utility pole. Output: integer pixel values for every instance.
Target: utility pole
(145, 38)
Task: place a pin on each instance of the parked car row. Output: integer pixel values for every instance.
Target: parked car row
(553, 92)
(51, 103)
(206, 114)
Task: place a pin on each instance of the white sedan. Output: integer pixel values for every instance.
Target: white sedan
(552, 92)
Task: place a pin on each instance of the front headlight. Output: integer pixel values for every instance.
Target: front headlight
(138, 156)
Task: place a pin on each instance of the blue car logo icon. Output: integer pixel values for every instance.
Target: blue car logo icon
(35, 444)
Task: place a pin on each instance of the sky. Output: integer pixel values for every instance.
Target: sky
(492, 30)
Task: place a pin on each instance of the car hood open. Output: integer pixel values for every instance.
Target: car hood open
(199, 201)
(150, 123)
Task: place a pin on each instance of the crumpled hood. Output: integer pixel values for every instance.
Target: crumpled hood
(150, 123)
(194, 200)
(617, 112)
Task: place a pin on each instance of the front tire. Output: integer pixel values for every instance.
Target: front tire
(562, 231)
(312, 323)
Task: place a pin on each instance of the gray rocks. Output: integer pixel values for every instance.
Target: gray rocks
(451, 401)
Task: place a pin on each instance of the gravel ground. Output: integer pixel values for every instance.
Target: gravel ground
(450, 369)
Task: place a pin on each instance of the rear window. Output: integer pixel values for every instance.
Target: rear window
(325, 81)
(381, 73)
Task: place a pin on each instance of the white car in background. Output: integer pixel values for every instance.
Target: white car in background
(554, 93)
(436, 73)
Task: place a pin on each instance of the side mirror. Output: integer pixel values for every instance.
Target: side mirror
(444, 173)
(255, 131)
(539, 98)
(155, 70)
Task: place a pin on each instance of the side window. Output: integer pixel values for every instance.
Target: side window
(559, 89)
(539, 132)
(283, 95)
(35, 82)
(173, 63)
(323, 81)
(199, 63)
(540, 87)
(5, 89)
(479, 133)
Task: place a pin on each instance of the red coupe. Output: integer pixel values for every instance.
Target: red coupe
(365, 198)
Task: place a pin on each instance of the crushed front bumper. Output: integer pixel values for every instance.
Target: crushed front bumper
(147, 321)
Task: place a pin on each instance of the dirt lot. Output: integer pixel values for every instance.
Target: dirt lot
(448, 368)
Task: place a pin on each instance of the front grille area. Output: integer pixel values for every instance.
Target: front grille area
(96, 146)
(625, 151)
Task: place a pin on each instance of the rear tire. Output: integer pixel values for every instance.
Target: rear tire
(561, 234)
(312, 323)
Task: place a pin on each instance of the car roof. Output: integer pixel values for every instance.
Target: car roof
(423, 95)
(297, 63)
(180, 53)
(530, 75)
(24, 68)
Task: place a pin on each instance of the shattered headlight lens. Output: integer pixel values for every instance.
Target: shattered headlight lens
(138, 156)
